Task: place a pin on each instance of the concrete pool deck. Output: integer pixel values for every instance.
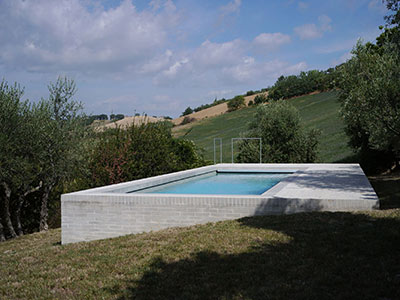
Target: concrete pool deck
(112, 211)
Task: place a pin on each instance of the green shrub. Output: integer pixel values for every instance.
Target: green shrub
(187, 111)
(250, 93)
(236, 103)
(138, 152)
(260, 99)
(283, 139)
(187, 120)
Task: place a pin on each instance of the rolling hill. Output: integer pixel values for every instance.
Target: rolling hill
(317, 111)
(213, 111)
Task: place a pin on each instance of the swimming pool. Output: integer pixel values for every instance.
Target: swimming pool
(221, 183)
(170, 200)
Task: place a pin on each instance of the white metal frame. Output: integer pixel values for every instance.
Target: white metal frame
(220, 150)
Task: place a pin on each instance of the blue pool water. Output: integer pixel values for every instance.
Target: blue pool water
(221, 184)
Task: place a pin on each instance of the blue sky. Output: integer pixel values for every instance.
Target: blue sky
(158, 57)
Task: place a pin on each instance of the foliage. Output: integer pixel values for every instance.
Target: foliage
(370, 97)
(260, 99)
(39, 150)
(90, 119)
(187, 111)
(319, 111)
(214, 103)
(306, 82)
(187, 120)
(251, 92)
(139, 151)
(283, 138)
(236, 103)
(116, 117)
(394, 6)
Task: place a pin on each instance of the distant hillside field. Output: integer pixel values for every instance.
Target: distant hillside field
(126, 122)
(318, 111)
(212, 111)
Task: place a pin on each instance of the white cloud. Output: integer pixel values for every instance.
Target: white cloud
(271, 41)
(227, 63)
(312, 31)
(308, 31)
(325, 23)
(249, 70)
(211, 54)
(302, 5)
(46, 35)
(157, 63)
(231, 7)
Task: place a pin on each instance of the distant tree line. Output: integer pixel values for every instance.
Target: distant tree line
(103, 117)
(116, 117)
(189, 110)
(304, 83)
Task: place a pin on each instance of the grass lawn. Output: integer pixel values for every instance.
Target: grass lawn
(318, 111)
(316, 255)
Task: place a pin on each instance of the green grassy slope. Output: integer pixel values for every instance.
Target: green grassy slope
(318, 111)
(301, 256)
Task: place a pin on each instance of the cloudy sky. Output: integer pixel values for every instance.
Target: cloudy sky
(160, 56)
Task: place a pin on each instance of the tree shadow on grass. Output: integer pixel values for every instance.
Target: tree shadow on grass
(324, 256)
(387, 187)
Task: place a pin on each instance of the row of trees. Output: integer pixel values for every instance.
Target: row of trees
(104, 117)
(189, 110)
(306, 82)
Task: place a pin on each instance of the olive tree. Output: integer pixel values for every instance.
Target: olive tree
(370, 99)
(63, 130)
(39, 149)
(283, 138)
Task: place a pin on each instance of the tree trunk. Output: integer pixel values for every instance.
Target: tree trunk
(18, 216)
(21, 200)
(2, 237)
(7, 216)
(44, 213)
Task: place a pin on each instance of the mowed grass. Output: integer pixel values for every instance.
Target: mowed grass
(317, 111)
(317, 255)
(302, 256)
